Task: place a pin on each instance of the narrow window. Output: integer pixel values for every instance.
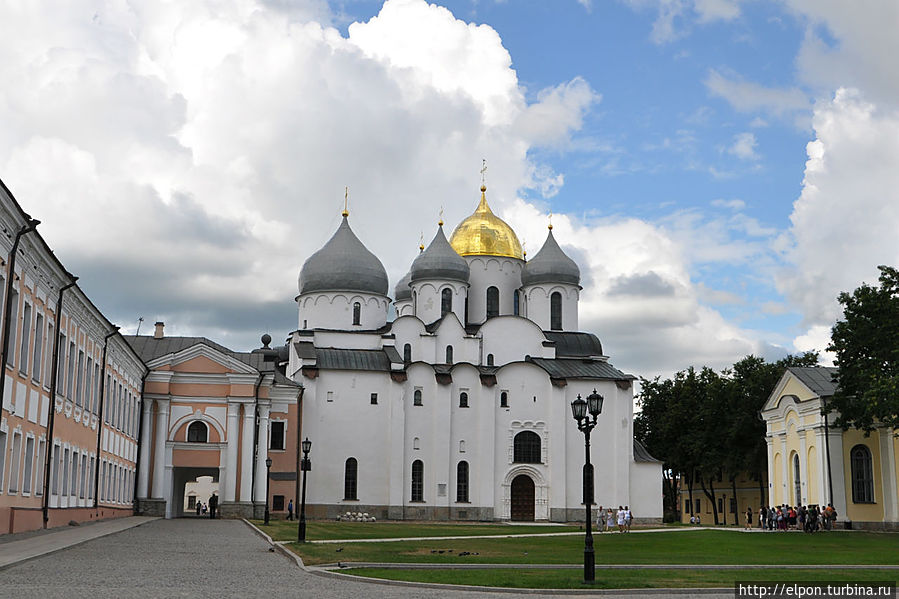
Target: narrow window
(720, 506)
(70, 370)
(516, 303)
(862, 474)
(29, 465)
(526, 447)
(449, 354)
(60, 371)
(37, 357)
(416, 398)
(463, 400)
(277, 503)
(15, 458)
(197, 432)
(555, 311)
(3, 437)
(374, 399)
(418, 476)
(89, 385)
(492, 302)
(83, 475)
(277, 435)
(462, 446)
(446, 302)
(90, 484)
(350, 473)
(14, 321)
(79, 387)
(698, 506)
(416, 443)
(51, 339)
(504, 399)
(489, 359)
(357, 312)
(26, 338)
(407, 354)
(462, 482)
(39, 471)
(797, 482)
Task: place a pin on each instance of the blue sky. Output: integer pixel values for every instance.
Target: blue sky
(720, 169)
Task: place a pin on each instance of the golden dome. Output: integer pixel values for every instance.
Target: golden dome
(485, 234)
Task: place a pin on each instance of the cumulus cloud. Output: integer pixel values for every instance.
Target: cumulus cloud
(747, 96)
(674, 18)
(744, 147)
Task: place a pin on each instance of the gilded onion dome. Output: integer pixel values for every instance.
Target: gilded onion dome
(440, 261)
(550, 265)
(343, 264)
(485, 234)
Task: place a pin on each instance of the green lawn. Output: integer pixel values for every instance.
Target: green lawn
(688, 547)
(622, 579)
(282, 530)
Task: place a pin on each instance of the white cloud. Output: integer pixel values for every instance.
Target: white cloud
(716, 10)
(744, 147)
(746, 96)
(734, 204)
(675, 17)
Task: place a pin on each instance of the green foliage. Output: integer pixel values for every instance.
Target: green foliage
(866, 344)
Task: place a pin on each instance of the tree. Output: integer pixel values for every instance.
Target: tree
(866, 344)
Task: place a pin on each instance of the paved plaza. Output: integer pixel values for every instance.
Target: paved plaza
(199, 558)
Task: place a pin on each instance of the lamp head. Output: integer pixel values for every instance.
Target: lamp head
(579, 409)
(307, 445)
(268, 462)
(594, 403)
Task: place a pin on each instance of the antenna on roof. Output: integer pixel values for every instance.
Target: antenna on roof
(140, 320)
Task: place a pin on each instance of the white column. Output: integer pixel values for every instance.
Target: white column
(143, 480)
(770, 442)
(262, 453)
(785, 471)
(888, 475)
(231, 466)
(246, 453)
(162, 431)
(821, 452)
(803, 469)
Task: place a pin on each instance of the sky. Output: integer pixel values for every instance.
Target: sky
(720, 169)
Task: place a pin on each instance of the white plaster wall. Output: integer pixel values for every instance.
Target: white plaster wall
(427, 296)
(404, 308)
(537, 302)
(498, 334)
(486, 271)
(645, 490)
(334, 310)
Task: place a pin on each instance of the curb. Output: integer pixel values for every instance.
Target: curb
(278, 546)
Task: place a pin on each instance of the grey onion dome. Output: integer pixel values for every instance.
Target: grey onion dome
(343, 264)
(440, 261)
(550, 265)
(403, 291)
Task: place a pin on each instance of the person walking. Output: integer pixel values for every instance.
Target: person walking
(600, 520)
(290, 510)
(628, 518)
(199, 507)
(610, 520)
(213, 504)
(620, 517)
(748, 518)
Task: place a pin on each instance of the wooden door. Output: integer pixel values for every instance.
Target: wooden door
(523, 498)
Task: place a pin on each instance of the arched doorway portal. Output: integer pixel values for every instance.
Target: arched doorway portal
(201, 482)
(523, 498)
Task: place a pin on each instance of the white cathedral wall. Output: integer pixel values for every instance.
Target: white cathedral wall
(334, 310)
(510, 339)
(486, 271)
(403, 308)
(428, 304)
(646, 490)
(537, 305)
(347, 340)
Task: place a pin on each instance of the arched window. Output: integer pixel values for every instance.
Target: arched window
(462, 446)
(462, 482)
(797, 481)
(504, 399)
(416, 443)
(407, 354)
(350, 477)
(418, 480)
(492, 302)
(446, 301)
(516, 303)
(463, 400)
(526, 446)
(197, 432)
(449, 354)
(489, 359)
(862, 474)
(357, 312)
(555, 311)
(416, 398)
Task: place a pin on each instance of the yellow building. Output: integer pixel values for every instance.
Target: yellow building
(808, 463)
(749, 492)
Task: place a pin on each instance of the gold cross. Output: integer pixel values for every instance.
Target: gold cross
(483, 171)
(346, 193)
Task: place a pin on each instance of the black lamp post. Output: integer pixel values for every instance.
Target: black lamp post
(586, 413)
(305, 466)
(268, 476)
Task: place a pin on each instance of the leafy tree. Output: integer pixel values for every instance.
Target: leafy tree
(866, 344)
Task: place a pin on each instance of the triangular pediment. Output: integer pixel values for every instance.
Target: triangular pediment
(791, 386)
(200, 358)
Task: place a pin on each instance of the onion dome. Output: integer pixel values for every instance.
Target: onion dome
(485, 234)
(403, 291)
(550, 265)
(343, 264)
(440, 261)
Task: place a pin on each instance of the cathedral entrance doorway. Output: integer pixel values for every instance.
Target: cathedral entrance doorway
(523, 498)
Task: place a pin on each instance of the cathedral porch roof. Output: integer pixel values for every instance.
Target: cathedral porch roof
(580, 368)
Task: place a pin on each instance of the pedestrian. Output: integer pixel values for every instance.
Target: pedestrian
(610, 520)
(199, 507)
(290, 510)
(213, 504)
(620, 517)
(762, 517)
(628, 518)
(748, 518)
(600, 520)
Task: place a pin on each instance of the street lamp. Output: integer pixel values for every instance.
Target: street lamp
(586, 413)
(268, 476)
(305, 466)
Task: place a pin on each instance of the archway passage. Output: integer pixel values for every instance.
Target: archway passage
(522, 498)
(197, 482)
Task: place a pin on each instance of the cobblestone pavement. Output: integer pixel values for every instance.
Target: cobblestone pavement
(198, 558)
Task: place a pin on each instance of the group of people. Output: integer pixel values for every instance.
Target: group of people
(809, 518)
(210, 508)
(606, 520)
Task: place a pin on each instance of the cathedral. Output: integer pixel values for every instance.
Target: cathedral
(459, 408)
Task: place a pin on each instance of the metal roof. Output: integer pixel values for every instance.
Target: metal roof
(583, 368)
(820, 379)
(574, 344)
(550, 265)
(641, 455)
(440, 261)
(330, 358)
(343, 264)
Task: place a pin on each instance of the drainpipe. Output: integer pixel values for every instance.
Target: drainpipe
(114, 331)
(29, 226)
(54, 369)
(140, 431)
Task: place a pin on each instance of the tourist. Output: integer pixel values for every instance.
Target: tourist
(628, 518)
(610, 520)
(600, 520)
(290, 510)
(748, 518)
(763, 517)
(621, 516)
(199, 507)
(213, 503)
